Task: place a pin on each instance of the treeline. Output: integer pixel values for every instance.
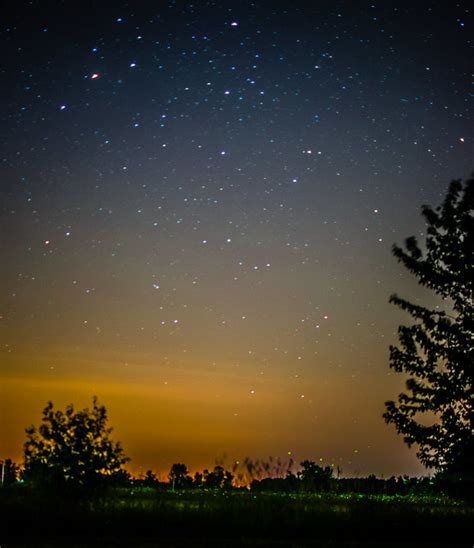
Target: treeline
(310, 478)
(272, 475)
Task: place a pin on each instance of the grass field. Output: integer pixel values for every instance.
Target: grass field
(146, 517)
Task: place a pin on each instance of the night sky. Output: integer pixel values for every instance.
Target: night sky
(198, 204)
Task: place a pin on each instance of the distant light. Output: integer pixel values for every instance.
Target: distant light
(234, 24)
(94, 76)
(132, 65)
(226, 92)
(62, 107)
(461, 139)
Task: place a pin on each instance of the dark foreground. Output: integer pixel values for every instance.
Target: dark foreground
(146, 518)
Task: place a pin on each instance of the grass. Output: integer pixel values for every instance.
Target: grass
(145, 518)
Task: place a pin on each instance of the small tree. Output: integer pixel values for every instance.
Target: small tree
(197, 480)
(314, 477)
(150, 479)
(437, 350)
(179, 476)
(72, 449)
(219, 478)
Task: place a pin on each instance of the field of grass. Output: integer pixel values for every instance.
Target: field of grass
(146, 517)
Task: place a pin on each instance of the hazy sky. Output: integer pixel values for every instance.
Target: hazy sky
(198, 203)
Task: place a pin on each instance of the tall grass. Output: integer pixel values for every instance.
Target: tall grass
(146, 514)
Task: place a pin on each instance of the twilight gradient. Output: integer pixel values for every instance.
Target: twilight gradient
(198, 202)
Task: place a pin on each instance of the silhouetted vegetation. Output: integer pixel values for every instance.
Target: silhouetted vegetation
(150, 479)
(201, 517)
(179, 477)
(437, 350)
(217, 479)
(10, 472)
(72, 451)
(259, 501)
(248, 470)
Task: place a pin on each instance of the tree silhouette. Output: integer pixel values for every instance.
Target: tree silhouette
(150, 479)
(197, 480)
(219, 478)
(314, 477)
(179, 477)
(72, 449)
(437, 350)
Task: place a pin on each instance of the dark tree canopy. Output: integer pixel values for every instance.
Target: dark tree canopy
(219, 478)
(179, 476)
(314, 477)
(72, 449)
(437, 349)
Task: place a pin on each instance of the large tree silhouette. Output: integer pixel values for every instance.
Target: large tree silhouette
(437, 349)
(72, 449)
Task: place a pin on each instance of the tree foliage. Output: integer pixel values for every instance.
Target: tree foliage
(314, 477)
(150, 479)
(437, 349)
(179, 477)
(72, 449)
(219, 478)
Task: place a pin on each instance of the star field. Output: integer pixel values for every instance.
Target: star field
(198, 206)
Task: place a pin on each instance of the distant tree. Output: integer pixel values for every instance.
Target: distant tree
(197, 480)
(314, 477)
(150, 479)
(228, 479)
(178, 476)
(72, 449)
(437, 350)
(219, 478)
(9, 472)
